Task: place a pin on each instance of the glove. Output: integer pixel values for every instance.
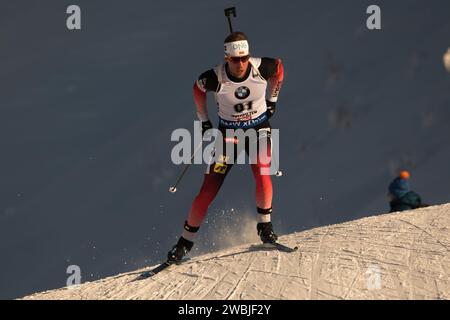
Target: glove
(205, 126)
(271, 106)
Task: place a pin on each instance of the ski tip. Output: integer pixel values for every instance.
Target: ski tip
(158, 269)
(273, 246)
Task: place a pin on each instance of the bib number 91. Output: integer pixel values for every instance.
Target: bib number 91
(240, 107)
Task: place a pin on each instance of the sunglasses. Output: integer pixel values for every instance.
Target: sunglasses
(239, 59)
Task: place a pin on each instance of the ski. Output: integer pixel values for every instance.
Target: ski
(157, 269)
(151, 273)
(275, 246)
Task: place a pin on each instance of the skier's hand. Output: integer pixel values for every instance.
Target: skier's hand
(271, 106)
(206, 125)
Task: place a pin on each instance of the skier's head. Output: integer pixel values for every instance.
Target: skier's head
(404, 175)
(400, 186)
(237, 53)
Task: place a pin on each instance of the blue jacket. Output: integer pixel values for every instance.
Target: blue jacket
(409, 201)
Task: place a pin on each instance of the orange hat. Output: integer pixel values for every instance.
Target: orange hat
(404, 175)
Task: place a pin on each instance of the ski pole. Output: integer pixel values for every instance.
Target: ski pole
(173, 189)
(228, 13)
(278, 173)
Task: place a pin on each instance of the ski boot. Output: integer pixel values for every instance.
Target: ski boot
(265, 232)
(176, 254)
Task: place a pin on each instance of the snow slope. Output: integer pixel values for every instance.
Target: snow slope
(86, 119)
(393, 256)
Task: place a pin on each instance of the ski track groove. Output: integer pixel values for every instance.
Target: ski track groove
(280, 274)
(316, 268)
(175, 289)
(278, 267)
(409, 259)
(218, 282)
(350, 288)
(244, 276)
(358, 264)
(429, 234)
(328, 294)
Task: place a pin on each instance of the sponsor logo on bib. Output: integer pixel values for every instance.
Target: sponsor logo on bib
(242, 92)
(220, 168)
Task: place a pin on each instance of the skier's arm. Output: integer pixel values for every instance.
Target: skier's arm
(207, 81)
(272, 70)
(275, 81)
(200, 103)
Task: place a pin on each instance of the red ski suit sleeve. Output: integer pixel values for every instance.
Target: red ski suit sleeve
(200, 103)
(275, 82)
